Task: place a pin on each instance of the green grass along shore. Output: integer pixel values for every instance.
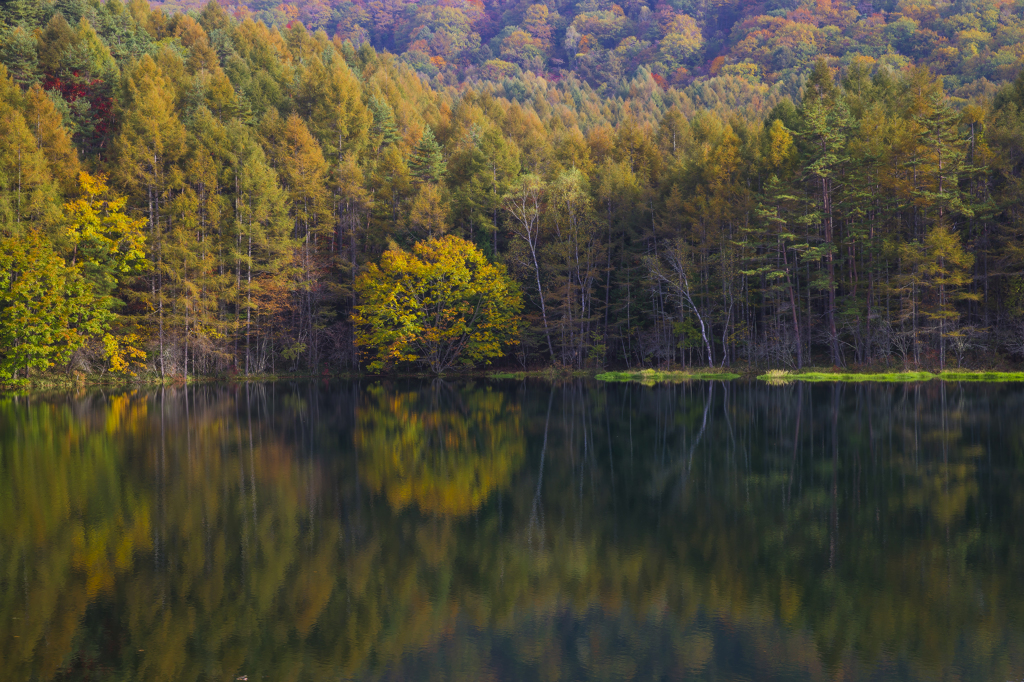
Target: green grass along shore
(649, 377)
(784, 376)
(653, 376)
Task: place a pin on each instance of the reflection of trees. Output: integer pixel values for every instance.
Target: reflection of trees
(220, 559)
(870, 546)
(243, 560)
(69, 524)
(673, 531)
(446, 450)
(871, 540)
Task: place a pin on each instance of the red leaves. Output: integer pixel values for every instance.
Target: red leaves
(78, 87)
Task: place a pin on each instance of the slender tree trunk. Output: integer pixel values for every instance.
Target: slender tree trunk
(248, 304)
(540, 294)
(829, 233)
(795, 311)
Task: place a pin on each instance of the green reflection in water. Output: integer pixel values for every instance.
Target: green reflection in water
(514, 531)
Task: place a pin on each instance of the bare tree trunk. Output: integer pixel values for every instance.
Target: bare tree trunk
(796, 316)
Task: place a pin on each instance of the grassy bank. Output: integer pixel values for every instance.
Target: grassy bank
(652, 376)
(785, 376)
(550, 373)
(648, 377)
(78, 381)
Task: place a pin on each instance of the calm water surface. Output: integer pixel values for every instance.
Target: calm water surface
(514, 531)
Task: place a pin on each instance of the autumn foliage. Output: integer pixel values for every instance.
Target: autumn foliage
(441, 304)
(671, 186)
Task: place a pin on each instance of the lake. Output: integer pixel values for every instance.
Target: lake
(513, 530)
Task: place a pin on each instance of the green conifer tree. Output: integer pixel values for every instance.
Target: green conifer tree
(427, 163)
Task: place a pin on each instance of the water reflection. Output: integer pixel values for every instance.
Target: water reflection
(445, 448)
(513, 531)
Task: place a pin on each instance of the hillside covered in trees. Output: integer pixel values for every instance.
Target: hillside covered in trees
(201, 192)
(743, 47)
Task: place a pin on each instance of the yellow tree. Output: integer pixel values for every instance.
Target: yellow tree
(438, 305)
(28, 194)
(47, 309)
(935, 272)
(52, 138)
(108, 247)
(303, 173)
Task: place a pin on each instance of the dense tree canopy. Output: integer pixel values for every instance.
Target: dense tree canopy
(743, 47)
(785, 208)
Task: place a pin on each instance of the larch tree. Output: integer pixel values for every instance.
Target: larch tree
(148, 150)
(303, 171)
(28, 194)
(826, 119)
(265, 251)
(47, 126)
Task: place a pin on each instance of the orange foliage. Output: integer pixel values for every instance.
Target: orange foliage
(289, 10)
(803, 15)
(682, 74)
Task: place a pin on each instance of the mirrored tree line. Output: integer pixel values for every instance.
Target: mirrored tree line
(215, 532)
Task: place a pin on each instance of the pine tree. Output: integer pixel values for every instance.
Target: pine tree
(303, 173)
(391, 186)
(383, 132)
(56, 39)
(576, 254)
(329, 99)
(428, 213)
(21, 13)
(18, 53)
(72, 10)
(427, 163)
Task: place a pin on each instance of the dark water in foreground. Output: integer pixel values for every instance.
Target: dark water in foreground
(509, 531)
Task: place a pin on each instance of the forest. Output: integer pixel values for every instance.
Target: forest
(230, 192)
(695, 44)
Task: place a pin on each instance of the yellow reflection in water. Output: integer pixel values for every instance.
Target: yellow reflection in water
(70, 526)
(442, 449)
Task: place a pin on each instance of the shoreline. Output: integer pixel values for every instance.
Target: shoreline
(908, 376)
(649, 377)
